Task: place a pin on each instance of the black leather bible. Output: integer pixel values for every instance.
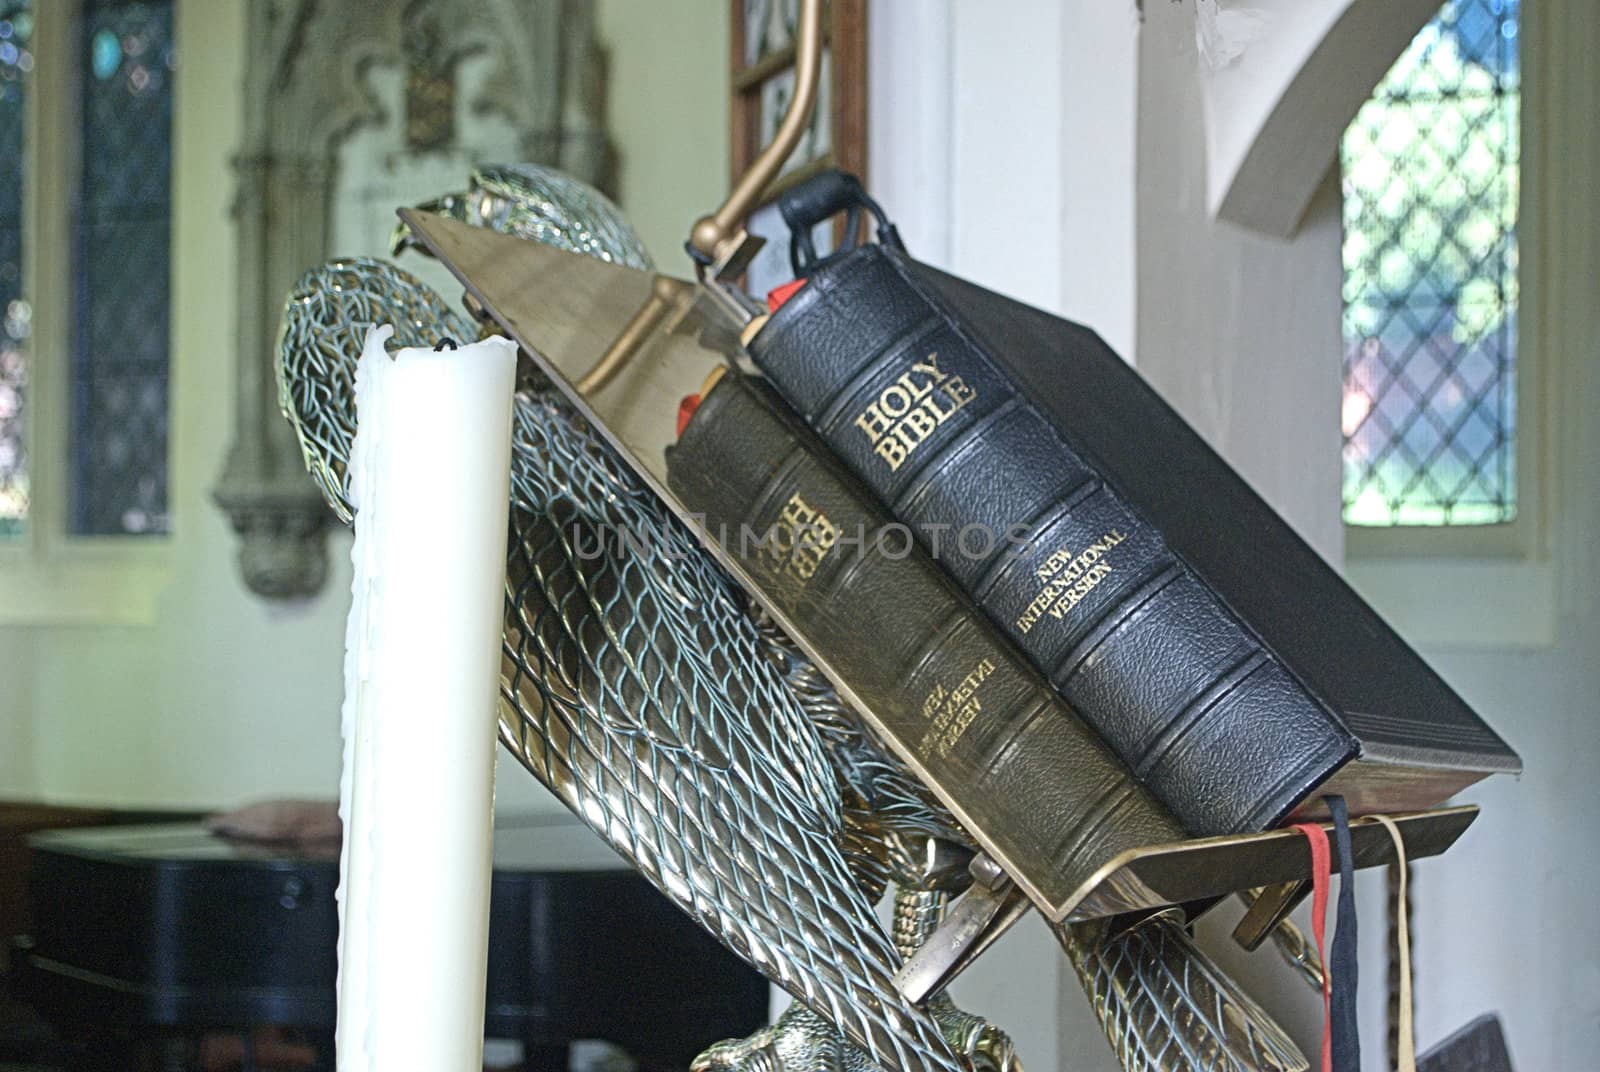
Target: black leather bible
(1231, 669)
(959, 703)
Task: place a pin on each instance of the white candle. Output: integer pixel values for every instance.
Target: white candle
(429, 479)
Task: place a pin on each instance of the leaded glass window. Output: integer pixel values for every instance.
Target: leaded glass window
(1430, 278)
(120, 279)
(16, 62)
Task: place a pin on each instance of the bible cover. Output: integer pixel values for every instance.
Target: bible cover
(957, 701)
(1230, 667)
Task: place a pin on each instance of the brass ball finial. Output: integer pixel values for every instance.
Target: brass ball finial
(706, 235)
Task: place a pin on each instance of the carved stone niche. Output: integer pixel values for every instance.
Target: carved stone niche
(309, 85)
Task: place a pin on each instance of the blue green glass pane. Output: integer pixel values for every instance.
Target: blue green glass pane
(1430, 170)
(16, 64)
(121, 270)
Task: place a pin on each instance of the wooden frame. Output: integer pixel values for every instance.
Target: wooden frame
(845, 37)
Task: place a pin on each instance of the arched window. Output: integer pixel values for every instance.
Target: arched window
(1430, 168)
(97, 145)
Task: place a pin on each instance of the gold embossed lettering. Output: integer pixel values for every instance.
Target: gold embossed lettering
(873, 423)
(918, 425)
(952, 710)
(892, 451)
(895, 399)
(1066, 578)
(911, 409)
(800, 539)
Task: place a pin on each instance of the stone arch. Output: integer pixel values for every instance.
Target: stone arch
(1282, 80)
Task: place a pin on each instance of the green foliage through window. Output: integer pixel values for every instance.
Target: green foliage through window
(1430, 278)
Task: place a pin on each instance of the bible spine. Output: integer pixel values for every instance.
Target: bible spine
(953, 696)
(1189, 697)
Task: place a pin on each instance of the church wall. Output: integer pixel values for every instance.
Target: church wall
(667, 84)
(1005, 159)
(16, 711)
(1508, 923)
(1241, 333)
(221, 697)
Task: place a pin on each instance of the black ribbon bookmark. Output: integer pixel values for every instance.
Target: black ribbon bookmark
(1346, 1031)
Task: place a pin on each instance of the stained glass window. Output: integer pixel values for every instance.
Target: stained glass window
(1430, 278)
(16, 61)
(120, 329)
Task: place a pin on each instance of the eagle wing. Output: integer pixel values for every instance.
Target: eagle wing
(635, 687)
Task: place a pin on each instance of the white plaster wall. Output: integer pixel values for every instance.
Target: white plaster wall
(1280, 80)
(1005, 147)
(1002, 144)
(667, 88)
(1239, 331)
(1002, 157)
(1099, 155)
(16, 709)
(1278, 35)
(1507, 922)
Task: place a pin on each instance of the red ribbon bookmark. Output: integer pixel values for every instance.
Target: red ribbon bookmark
(778, 295)
(1321, 865)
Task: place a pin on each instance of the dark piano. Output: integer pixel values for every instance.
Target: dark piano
(168, 932)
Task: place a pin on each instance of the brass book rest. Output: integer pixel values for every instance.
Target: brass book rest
(624, 345)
